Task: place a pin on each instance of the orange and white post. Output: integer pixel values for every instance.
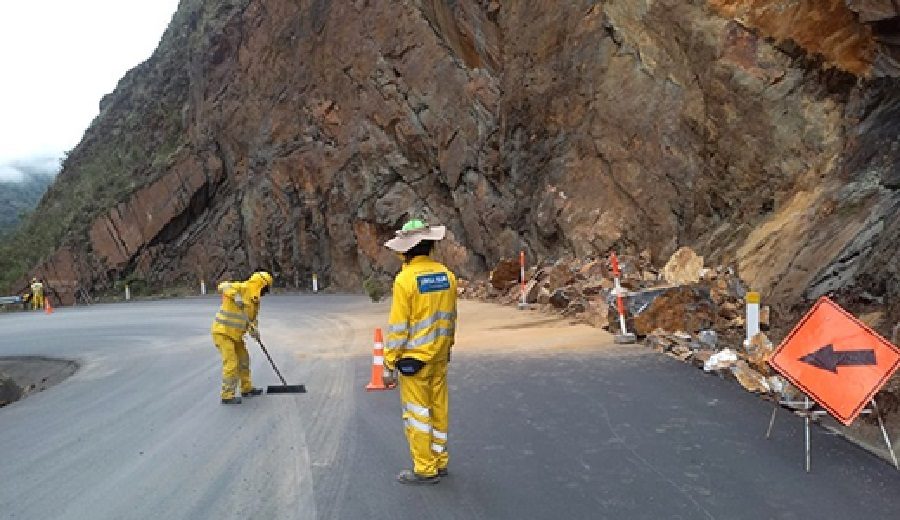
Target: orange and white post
(376, 382)
(624, 336)
(522, 303)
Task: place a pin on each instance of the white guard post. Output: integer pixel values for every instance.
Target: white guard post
(315, 283)
(752, 316)
(203, 287)
(127, 293)
(805, 409)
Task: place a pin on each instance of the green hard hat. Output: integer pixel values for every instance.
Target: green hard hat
(413, 225)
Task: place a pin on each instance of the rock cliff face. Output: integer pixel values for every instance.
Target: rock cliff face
(297, 135)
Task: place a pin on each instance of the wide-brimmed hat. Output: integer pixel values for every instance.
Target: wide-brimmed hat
(414, 232)
(261, 278)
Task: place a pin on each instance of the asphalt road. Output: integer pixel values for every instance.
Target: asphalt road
(578, 433)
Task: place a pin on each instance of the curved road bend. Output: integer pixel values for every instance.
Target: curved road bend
(548, 421)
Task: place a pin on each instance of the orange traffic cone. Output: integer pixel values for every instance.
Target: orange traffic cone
(377, 382)
(47, 307)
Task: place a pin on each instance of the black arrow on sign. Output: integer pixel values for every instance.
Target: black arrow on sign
(826, 358)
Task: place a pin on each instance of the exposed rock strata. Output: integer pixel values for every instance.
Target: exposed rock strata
(298, 136)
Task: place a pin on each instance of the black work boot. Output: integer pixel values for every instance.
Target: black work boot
(253, 391)
(442, 472)
(411, 477)
(234, 400)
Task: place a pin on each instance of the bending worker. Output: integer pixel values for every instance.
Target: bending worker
(37, 294)
(237, 316)
(420, 335)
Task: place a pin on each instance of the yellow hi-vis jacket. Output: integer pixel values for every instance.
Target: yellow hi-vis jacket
(423, 313)
(240, 307)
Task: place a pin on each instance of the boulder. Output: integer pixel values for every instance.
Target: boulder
(729, 311)
(659, 341)
(708, 339)
(595, 314)
(683, 267)
(680, 352)
(701, 357)
(560, 298)
(594, 269)
(560, 275)
(544, 295)
(576, 306)
(721, 360)
(758, 351)
(505, 273)
(765, 317)
(750, 379)
(683, 308)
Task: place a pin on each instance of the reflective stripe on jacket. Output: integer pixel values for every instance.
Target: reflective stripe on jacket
(422, 324)
(240, 307)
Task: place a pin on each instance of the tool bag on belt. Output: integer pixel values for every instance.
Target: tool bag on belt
(409, 366)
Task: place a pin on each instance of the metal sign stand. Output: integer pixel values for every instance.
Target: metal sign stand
(805, 409)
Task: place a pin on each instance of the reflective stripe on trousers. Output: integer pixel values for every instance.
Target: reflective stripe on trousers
(235, 365)
(425, 413)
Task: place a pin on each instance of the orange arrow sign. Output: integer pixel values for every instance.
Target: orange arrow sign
(836, 359)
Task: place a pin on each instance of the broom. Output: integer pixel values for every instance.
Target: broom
(283, 388)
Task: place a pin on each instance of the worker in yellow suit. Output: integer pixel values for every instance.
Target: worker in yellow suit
(421, 333)
(37, 294)
(237, 316)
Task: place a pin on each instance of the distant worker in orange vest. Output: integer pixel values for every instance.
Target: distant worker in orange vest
(421, 332)
(236, 317)
(37, 294)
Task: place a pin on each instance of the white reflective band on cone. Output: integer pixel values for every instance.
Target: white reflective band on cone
(378, 360)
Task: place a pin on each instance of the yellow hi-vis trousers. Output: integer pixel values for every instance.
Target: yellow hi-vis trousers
(426, 408)
(37, 301)
(235, 364)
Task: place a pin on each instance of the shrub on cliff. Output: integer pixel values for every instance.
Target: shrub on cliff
(373, 288)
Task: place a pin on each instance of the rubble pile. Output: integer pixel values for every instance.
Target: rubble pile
(684, 310)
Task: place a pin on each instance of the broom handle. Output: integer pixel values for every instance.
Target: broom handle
(266, 352)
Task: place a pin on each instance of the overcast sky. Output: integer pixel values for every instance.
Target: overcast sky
(57, 59)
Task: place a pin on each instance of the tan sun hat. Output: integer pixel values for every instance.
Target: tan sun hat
(414, 232)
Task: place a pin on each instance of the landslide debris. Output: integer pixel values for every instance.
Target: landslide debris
(701, 321)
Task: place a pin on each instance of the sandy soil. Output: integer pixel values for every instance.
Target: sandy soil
(482, 329)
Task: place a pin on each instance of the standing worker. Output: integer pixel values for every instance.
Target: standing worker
(37, 294)
(237, 316)
(421, 333)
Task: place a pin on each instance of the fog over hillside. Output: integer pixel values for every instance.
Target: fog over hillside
(19, 170)
(22, 184)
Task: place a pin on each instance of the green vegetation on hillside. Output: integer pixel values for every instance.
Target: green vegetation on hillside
(132, 142)
(17, 199)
